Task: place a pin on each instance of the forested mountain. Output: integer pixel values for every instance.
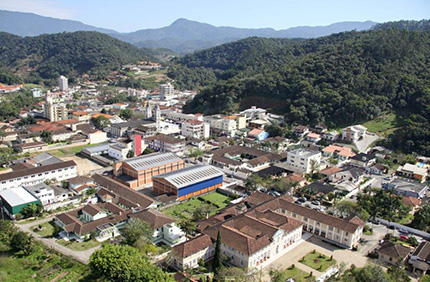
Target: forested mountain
(423, 25)
(341, 79)
(29, 24)
(185, 36)
(46, 57)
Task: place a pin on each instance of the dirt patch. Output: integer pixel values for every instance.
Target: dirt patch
(85, 166)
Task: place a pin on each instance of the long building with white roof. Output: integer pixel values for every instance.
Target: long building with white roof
(140, 170)
(188, 182)
(15, 199)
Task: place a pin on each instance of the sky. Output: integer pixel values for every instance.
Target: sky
(132, 15)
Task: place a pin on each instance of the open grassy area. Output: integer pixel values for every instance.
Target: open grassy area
(46, 231)
(425, 278)
(76, 246)
(62, 152)
(384, 125)
(217, 199)
(318, 261)
(187, 208)
(42, 265)
(298, 275)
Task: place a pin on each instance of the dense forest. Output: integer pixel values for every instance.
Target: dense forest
(44, 58)
(340, 79)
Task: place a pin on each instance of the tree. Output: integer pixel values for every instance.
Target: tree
(253, 182)
(148, 151)
(130, 154)
(195, 153)
(136, 229)
(398, 274)
(314, 167)
(421, 218)
(125, 263)
(188, 225)
(46, 136)
(7, 230)
(348, 208)
(32, 210)
(100, 122)
(234, 274)
(126, 114)
(22, 242)
(203, 211)
(217, 263)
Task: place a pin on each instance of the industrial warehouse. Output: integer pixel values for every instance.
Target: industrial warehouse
(188, 182)
(140, 170)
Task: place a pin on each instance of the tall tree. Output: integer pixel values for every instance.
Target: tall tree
(217, 263)
(136, 229)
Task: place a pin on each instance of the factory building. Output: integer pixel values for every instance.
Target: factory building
(188, 182)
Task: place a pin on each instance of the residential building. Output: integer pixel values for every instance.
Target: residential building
(363, 160)
(413, 171)
(81, 116)
(258, 134)
(30, 147)
(30, 175)
(80, 184)
(354, 133)
(63, 83)
(330, 136)
(335, 151)
(140, 170)
(36, 93)
(221, 125)
(301, 130)
(15, 199)
(188, 182)
(55, 111)
(166, 91)
(165, 143)
(122, 129)
(189, 253)
(196, 129)
(254, 113)
(41, 191)
(420, 258)
(180, 117)
(407, 188)
(303, 160)
(392, 253)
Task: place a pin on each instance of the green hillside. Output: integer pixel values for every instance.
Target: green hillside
(46, 57)
(341, 79)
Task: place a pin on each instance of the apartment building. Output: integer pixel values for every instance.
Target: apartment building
(196, 129)
(55, 111)
(165, 143)
(220, 124)
(302, 159)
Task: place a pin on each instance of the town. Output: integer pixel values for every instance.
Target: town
(88, 162)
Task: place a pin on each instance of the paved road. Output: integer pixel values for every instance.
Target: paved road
(81, 256)
(366, 141)
(413, 231)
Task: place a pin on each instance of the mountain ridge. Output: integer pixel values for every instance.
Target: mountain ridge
(182, 36)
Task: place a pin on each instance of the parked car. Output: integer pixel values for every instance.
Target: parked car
(387, 178)
(404, 231)
(391, 227)
(303, 199)
(308, 206)
(403, 237)
(315, 202)
(298, 202)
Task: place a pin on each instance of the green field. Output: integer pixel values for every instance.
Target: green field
(42, 265)
(217, 199)
(46, 231)
(318, 261)
(62, 152)
(187, 208)
(77, 246)
(297, 274)
(383, 125)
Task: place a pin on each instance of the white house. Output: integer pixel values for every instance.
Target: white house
(302, 159)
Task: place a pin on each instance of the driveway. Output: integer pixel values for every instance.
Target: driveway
(81, 256)
(366, 141)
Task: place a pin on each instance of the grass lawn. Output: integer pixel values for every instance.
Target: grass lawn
(298, 275)
(76, 246)
(317, 262)
(62, 152)
(384, 125)
(47, 229)
(406, 219)
(367, 232)
(42, 265)
(425, 278)
(217, 199)
(183, 209)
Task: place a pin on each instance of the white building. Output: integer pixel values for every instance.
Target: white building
(55, 112)
(63, 83)
(41, 191)
(217, 123)
(354, 133)
(196, 129)
(180, 117)
(34, 175)
(36, 93)
(302, 159)
(166, 91)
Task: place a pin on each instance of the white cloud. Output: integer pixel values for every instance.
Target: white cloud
(49, 8)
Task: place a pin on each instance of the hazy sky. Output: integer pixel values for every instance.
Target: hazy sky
(131, 15)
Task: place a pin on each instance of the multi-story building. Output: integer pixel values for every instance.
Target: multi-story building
(302, 159)
(188, 182)
(31, 175)
(196, 129)
(140, 170)
(354, 133)
(219, 124)
(165, 143)
(41, 191)
(36, 93)
(55, 111)
(166, 91)
(180, 117)
(63, 83)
